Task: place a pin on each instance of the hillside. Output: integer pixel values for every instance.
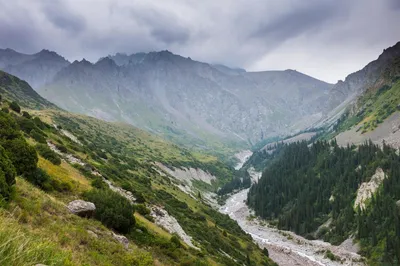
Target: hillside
(14, 89)
(52, 157)
(334, 193)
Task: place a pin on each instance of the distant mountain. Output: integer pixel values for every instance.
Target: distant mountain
(14, 89)
(165, 92)
(372, 76)
(37, 69)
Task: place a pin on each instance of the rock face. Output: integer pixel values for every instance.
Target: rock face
(186, 175)
(368, 189)
(81, 208)
(170, 224)
(124, 193)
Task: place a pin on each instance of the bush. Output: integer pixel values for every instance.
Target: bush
(41, 179)
(25, 124)
(142, 209)
(22, 155)
(26, 115)
(36, 135)
(97, 182)
(62, 148)
(113, 210)
(15, 107)
(5, 110)
(48, 154)
(7, 175)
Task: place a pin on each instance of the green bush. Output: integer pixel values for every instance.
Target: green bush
(26, 115)
(25, 124)
(48, 154)
(15, 107)
(5, 110)
(113, 210)
(22, 155)
(142, 209)
(62, 148)
(41, 179)
(7, 175)
(36, 135)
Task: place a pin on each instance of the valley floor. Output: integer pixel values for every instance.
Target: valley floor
(285, 248)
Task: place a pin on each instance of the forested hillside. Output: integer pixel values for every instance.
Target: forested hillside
(304, 186)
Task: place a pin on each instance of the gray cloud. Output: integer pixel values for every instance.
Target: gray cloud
(162, 25)
(327, 39)
(59, 14)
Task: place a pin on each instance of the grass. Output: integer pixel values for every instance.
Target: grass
(20, 247)
(47, 217)
(66, 173)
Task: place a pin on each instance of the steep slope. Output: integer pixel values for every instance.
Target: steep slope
(168, 94)
(14, 89)
(37, 69)
(376, 74)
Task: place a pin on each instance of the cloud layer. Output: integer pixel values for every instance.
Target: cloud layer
(327, 39)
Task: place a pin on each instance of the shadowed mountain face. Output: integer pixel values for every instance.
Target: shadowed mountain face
(37, 69)
(163, 92)
(14, 89)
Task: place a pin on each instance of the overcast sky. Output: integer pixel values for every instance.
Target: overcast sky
(327, 39)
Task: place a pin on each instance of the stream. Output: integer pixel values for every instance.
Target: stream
(285, 248)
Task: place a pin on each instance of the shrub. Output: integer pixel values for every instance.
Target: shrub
(36, 135)
(7, 175)
(175, 241)
(48, 154)
(62, 148)
(15, 107)
(41, 179)
(97, 182)
(25, 124)
(26, 115)
(22, 155)
(142, 209)
(113, 210)
(5, 110)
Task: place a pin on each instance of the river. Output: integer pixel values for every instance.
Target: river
(285, 248)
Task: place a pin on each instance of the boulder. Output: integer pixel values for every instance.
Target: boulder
(121, 239)
(81, 208)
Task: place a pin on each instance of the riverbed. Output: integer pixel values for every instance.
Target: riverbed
(285, 248)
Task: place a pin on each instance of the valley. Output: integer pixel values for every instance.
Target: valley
(154, 158)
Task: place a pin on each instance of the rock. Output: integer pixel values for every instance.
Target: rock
(398, 204)
(40, 264)
(81, 208)
(92, 234)
(121, 239)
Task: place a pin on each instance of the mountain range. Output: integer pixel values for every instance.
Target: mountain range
(178, 97)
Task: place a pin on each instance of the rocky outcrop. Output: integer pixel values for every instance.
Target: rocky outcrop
(121, 239)
(68, 157)
(81, 208)
(186, 175)
(368, 189)
(124, 193)
(170, 224)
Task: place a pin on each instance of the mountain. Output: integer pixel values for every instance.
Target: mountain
(164, 92)
(372, 76)
(14, 89)
(37, 69)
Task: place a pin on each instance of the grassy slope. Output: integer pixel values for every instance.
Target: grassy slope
(43, 227)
